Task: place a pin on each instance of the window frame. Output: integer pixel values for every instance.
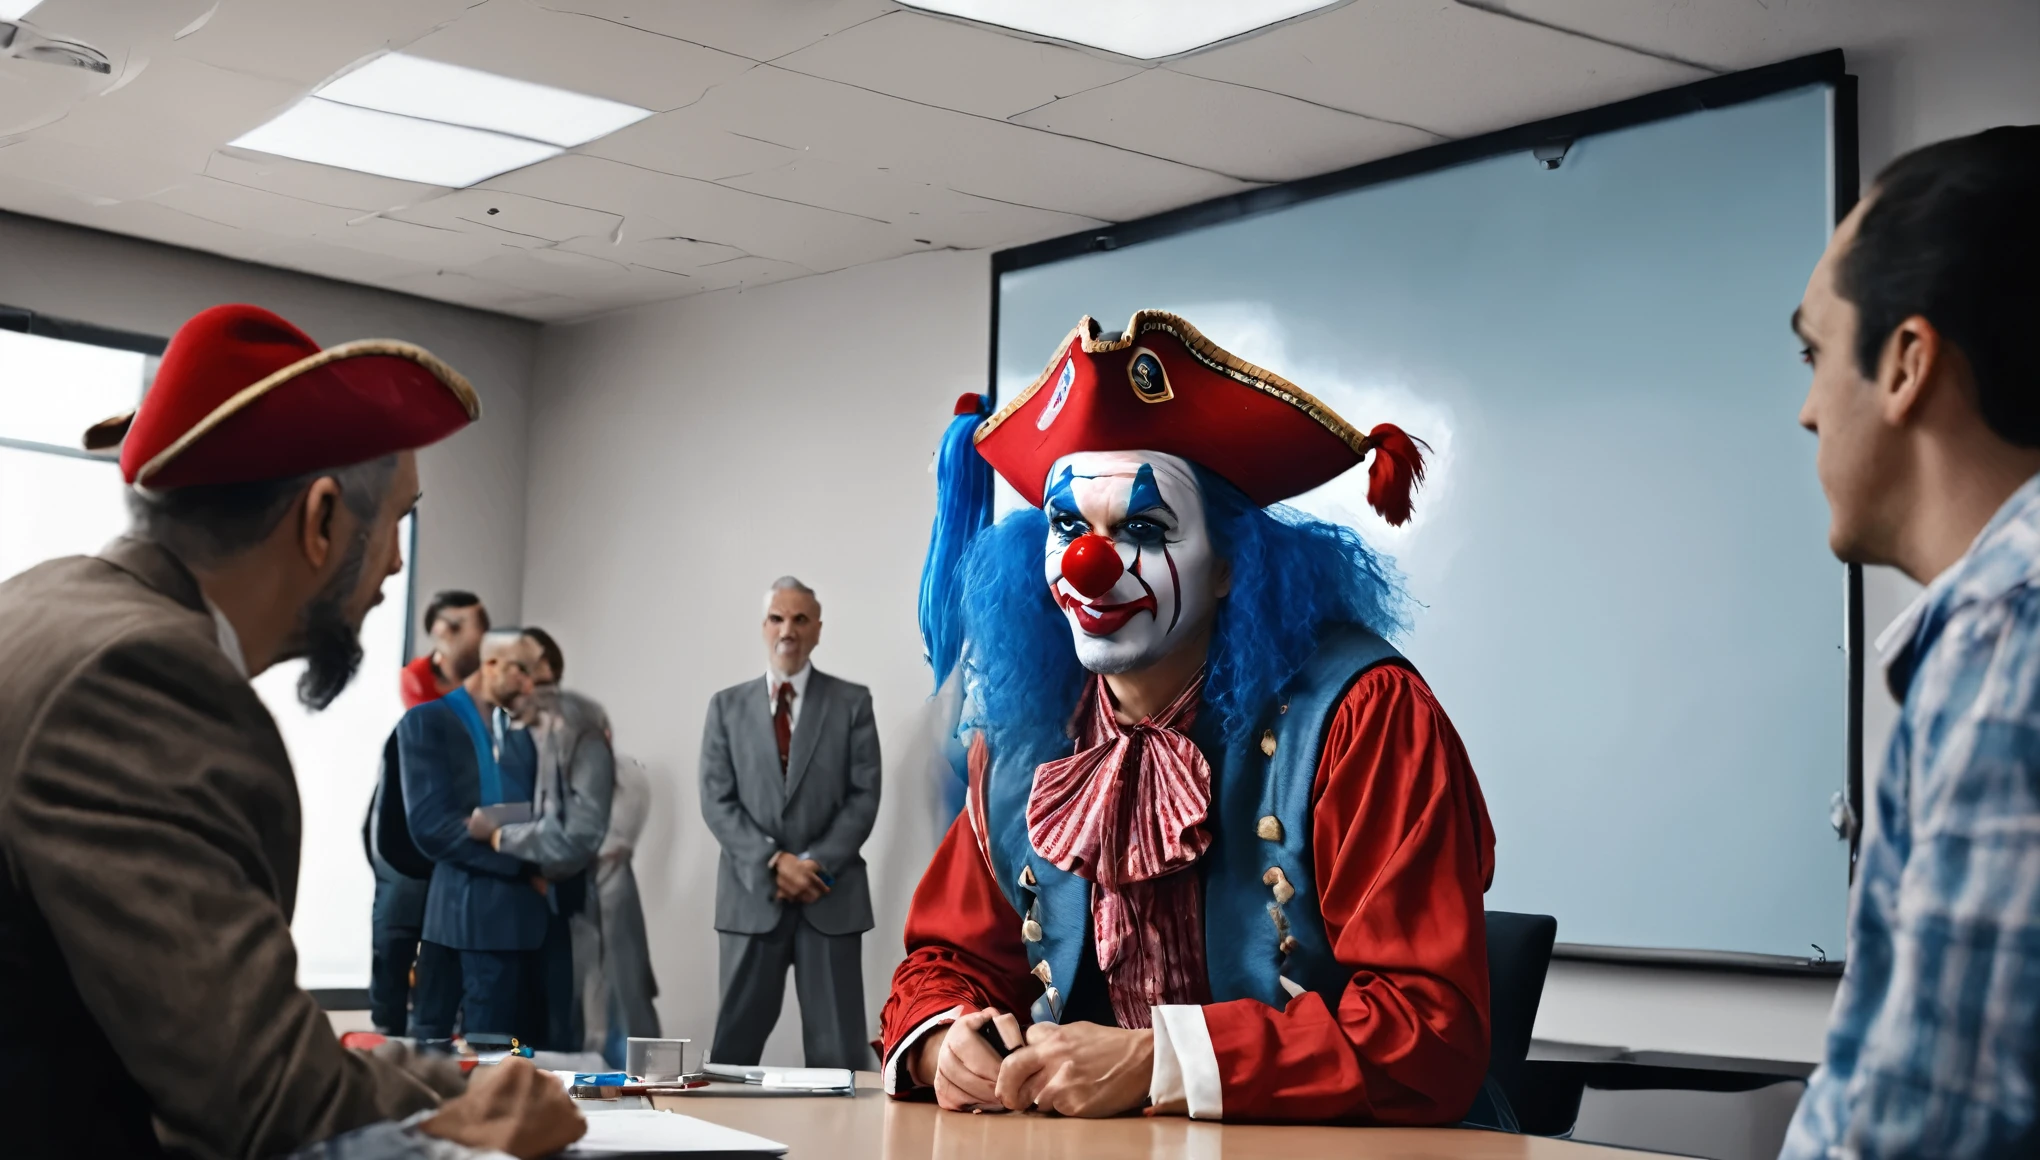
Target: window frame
(24, 321)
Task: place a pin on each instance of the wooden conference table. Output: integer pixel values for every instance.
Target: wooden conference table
(872, 1127)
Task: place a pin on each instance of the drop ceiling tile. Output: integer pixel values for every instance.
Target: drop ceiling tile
(424, 244)
(687, 145)
(970, 154)
(954, 65)
(465, 290)
(596, 283)
(362, 192)
(1734, 36)
(672, 254)
(930, 214)
(759, 29)
(1443, 67)
(117, 28)
(33, 95)
(162, 223)
(341, 262)
(308, 41)
(33, 198)
(1249, 133)
(517, 38)
(746, 272)
(817, 238)
(252, 209)
(510, 218)
(176, 111)
(94, 173)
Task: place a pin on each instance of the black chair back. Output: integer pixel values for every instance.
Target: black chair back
(1518, 954)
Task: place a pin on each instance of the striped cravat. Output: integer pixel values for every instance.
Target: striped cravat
(1127, 811)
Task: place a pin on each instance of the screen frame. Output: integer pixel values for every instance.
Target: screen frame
(1827, 68)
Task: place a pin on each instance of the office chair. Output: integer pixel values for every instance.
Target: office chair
(1519, 953)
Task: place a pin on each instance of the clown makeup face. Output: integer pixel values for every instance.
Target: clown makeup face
(1129, 557)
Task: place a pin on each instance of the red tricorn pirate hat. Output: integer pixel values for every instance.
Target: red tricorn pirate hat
(1162, 386)
(241, 396)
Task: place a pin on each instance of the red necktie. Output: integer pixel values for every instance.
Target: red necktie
(782, 723)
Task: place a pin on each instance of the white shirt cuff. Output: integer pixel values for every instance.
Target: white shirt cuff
(1186, 1068)
(896, 1078)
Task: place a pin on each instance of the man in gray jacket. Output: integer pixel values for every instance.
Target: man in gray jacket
(570, 817)
(789, 786)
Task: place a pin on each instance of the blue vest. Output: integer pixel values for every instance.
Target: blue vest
(1263, 936)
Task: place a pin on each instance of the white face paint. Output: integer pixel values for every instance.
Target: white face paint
(1147, 504)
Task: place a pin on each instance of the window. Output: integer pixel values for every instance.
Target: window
(337, 753)
(55, 499)
(56, 379)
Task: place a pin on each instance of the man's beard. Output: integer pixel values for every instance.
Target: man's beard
(330, 645)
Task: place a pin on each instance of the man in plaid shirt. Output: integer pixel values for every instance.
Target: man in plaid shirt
(1922, 325)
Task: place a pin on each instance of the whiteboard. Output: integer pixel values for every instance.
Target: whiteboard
(1625, 598)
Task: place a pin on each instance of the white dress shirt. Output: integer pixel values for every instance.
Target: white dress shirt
(799, 682)
(230, 641)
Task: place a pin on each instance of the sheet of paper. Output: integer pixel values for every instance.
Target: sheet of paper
(809, 1078)
(507, 813)
(643, 1132)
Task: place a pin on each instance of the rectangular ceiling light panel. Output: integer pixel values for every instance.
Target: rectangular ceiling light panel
(406, 148)
(422, 120)
(1142, 29)
(416, 87)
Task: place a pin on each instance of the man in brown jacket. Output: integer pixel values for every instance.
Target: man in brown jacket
(149, 819)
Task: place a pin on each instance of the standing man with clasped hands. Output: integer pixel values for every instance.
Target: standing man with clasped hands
(789, 786)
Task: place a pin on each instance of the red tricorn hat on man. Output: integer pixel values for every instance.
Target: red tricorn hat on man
(243, 396)
(1159, 385)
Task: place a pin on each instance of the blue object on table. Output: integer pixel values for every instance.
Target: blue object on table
(600, 1079)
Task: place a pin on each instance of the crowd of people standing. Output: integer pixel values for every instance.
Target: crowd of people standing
(500, 833)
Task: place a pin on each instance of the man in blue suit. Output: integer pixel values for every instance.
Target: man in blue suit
(457, 753)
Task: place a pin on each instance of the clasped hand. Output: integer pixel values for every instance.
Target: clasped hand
(797, 879)
(1075, 1069)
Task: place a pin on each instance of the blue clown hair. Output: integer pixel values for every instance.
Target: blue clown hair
(963, 508)
(1293, 576)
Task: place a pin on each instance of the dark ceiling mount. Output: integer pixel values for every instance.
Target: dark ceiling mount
(1551, 154)
(22, 42)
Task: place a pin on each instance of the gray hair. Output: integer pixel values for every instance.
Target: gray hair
(498, 639)
(790, 584)
(209, 524)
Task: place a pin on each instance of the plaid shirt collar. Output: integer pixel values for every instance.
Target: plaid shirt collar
(2004, 555)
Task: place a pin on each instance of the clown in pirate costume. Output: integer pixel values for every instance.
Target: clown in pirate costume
(1221, 852)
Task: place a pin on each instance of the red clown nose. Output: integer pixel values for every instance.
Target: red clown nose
(1092, 565)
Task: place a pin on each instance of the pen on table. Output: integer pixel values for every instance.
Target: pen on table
(989, 1032)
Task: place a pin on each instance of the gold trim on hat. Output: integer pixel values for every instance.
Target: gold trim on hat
(1203, 350)
(451, 379)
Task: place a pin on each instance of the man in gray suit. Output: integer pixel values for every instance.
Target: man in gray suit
(789, 786)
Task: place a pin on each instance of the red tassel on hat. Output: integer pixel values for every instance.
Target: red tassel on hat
(1397, 469)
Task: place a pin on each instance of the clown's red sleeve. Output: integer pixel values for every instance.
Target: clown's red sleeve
(963, 944)
(1403, 851)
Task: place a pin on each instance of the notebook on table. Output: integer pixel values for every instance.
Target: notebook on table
(799, 1081)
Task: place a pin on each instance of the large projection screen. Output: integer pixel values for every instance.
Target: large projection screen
(1623, 592)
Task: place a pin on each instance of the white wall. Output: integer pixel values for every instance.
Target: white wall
(684, 455)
